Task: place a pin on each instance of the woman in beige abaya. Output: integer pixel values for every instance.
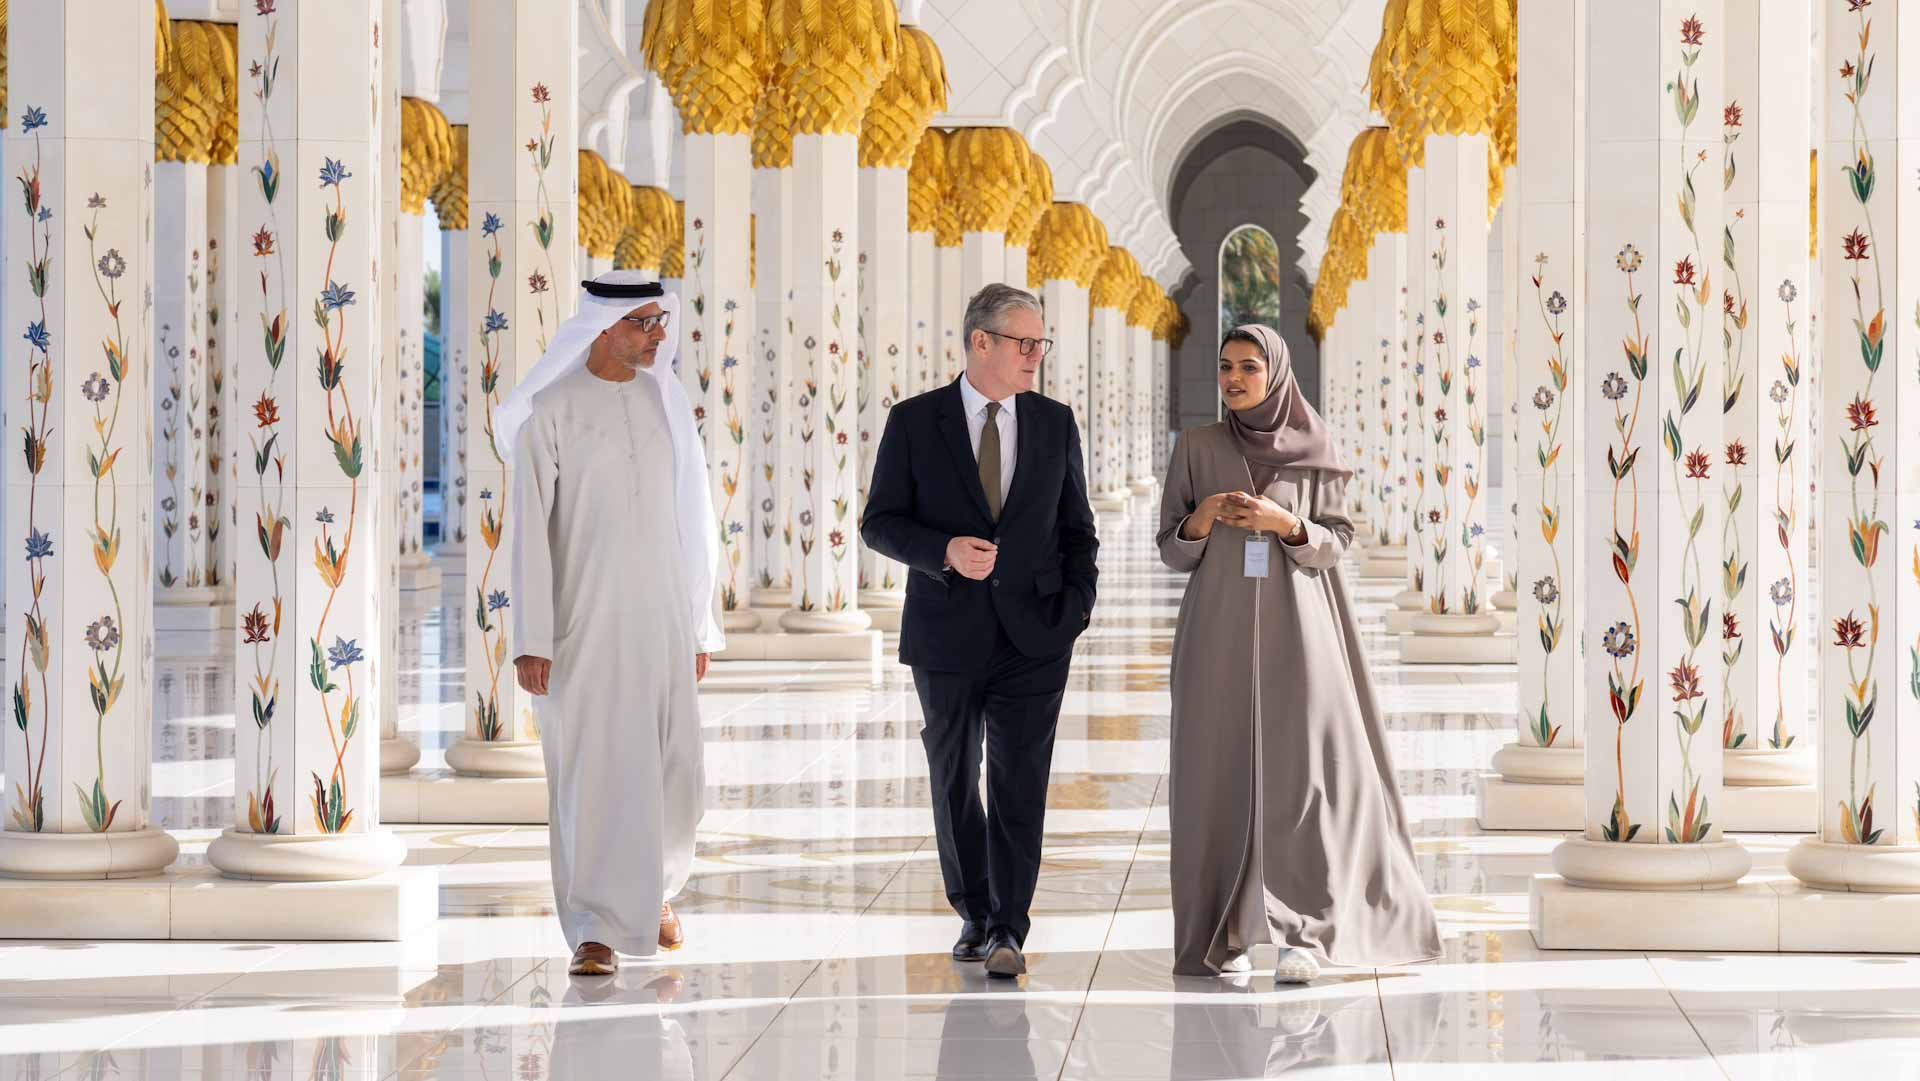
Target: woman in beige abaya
(1287, 825)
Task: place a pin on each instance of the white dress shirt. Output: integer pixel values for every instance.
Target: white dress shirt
(976, 406)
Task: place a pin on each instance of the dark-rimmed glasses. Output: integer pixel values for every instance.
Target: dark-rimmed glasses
(1027, 345)
(647, 323)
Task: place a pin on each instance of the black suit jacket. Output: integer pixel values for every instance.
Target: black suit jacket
(926, 491)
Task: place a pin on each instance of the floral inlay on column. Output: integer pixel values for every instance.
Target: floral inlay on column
(1441, 517)
(1472, 531)
(732, 468)
(1420, 516)
(1860, 445)
(1688, 823)
(1733, 333)
(1784, 591)
(489, 600)
(330, 811)
(1550, 399)
(260, 624)
(1621, 640)
(29, 809)
(540, 153)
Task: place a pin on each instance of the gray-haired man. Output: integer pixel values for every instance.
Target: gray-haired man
(979, 489)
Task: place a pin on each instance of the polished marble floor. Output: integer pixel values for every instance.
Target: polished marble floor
(817, 928)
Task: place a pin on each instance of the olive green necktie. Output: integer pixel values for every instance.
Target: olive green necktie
(990, 459)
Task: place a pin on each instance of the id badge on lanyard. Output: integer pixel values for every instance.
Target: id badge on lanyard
(1259, 547)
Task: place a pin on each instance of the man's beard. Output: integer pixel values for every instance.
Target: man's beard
(642, 359)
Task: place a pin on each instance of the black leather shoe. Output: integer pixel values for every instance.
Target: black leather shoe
(972, 944)
(1004, 958)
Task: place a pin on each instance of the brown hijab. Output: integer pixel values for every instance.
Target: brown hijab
(1283, 431)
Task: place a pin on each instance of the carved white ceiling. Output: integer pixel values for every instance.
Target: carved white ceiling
(1110, 92)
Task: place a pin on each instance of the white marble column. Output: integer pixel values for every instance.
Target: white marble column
(1142, 312)
(79, 236)
(1412, 601)
(1652, 396)
(226, 255)
(1108, 355)
(306, 800)
(1160, 399)
(1066, 250)
(456, 331)
(1766, 129)
(718, 309)
(825, 306)
(926, 179)
(950, 301)
(521, 165)
(772, 495)
(1506, 303)
(884, 345)
(183, 120)
(1869, 765)
(1457, 626)
(426, 155)
(1387, 268)
(1551, 560)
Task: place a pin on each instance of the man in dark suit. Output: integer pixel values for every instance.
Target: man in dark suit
(979, 489)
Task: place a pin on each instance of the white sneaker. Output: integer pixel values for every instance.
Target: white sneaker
(1295, 966)
(1236, 962)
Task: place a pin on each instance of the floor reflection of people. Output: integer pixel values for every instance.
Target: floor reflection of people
(590, 1044)
(1268, 1035)
(968, 1026)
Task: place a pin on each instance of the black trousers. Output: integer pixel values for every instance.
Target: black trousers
(990, 856)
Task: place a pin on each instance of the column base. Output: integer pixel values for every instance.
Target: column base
(443, 796)
(1520, 763)
(1822, 865)
(397, 755)
(451, 559)
(340, 857)
(871, 599)
(197, 904)
(1639, 868)
(1500, 804)
(1505, 600)
(1400, 621)
(1563, 916)
(1143, 485)
(192, 610)
(739, 620)
(1112, 501)
(776, 598)
(1376, 566)
(860, 646)
(1504, 804)
(497, 758)
(1407, 604)
(846, 621)
(66, 857)
(1455, 639)
(1759, 915)
(1760, 767)
(416, 576)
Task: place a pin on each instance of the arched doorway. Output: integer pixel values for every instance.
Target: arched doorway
(1249, 277)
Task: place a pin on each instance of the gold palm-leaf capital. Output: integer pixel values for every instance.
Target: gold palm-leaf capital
(927, 182)
(1034, 200)
(187, 94)
(1117, 280)
(830, 56)
(905, 102)
(988, 171)
(449, 193)
(712, 57)
(1066, 245)
(426, 152)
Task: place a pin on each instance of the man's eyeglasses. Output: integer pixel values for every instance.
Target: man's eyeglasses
(647, 323)
(1027, 345)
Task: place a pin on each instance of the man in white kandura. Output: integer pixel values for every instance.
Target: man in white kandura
(614, 557)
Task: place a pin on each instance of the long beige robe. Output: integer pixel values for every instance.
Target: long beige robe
(1287, 824)
(600, 588)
